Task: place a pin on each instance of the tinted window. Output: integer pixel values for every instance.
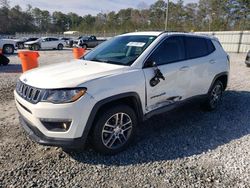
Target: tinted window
(196, 47)
(210, 46)
(53, 39)
(171, 50)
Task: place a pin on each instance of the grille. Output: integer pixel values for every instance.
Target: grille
(28, 93)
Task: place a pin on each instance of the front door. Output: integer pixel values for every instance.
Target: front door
(170, 59)
(45, 44)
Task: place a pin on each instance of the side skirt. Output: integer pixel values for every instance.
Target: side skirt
(198, 98)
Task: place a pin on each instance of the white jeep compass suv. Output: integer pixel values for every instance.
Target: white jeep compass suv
(122, 82)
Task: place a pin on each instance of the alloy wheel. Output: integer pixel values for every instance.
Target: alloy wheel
(117, 130)
(216, 95)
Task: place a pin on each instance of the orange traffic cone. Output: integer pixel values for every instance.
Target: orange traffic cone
(28, 59)
(78, 52)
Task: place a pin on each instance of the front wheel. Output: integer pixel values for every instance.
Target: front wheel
(214, 96)
(20, 46)
(60, 47)
(85, 46)
(36, 47)
(114, 130)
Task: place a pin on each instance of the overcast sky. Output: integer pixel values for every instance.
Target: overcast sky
(83, 7)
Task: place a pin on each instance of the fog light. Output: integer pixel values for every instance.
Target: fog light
(56, 125)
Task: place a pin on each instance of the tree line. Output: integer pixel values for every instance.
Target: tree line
(202, 16)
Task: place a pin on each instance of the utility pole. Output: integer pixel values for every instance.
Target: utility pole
(166, 20)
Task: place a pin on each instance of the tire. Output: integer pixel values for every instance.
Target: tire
(8, 49)
(108, 135)
(214, 96)
(36, 47)
(248, 65)
(60, 47)
(84, 46)
(4, 60)
(20, 46)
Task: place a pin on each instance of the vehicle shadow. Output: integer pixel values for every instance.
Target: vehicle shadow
(184, 132)
(11, 68)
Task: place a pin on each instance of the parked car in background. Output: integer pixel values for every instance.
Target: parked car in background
(45, 43)
(68, 41)
(88, 41)
(113, 88)
(20, 42)
(248, 59)
(7, 46)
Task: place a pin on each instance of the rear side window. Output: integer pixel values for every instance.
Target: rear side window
(196, 47)
(210, 46)
(171, 50)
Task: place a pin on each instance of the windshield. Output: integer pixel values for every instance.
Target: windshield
(121, 50)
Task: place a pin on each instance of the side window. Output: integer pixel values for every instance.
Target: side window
(196, 47)
(53, 39)
(171, 50)
(210, 46)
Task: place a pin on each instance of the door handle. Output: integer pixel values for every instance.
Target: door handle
(212, 61)
(185, 68)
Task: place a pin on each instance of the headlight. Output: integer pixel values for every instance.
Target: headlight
(63, 95)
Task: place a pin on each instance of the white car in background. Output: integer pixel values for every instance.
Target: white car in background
(45, 43)
(7, 46)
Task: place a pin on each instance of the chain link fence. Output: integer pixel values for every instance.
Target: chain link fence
(232, 41)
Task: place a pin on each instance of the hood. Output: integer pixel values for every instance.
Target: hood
(32, 42)
(69, 74)
(9, 41)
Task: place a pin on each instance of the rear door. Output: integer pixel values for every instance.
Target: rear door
(92, 42)
(54, 42)
(170, 59)
(199, 60)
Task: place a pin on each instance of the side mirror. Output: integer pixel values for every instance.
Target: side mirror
(158, 75)
(150, 64)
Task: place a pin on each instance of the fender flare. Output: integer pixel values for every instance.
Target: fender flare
(114, 98)
(216, 77)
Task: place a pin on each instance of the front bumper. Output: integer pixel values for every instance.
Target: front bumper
(78, 112)
(40, 138)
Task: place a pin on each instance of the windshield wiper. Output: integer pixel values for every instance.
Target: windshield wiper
(106, 61)
(97, 60)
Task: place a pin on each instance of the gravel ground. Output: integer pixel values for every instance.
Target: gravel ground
(184, 148)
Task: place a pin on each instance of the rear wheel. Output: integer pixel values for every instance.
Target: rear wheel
(8, 49)
(114, 129)
(214, 96)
